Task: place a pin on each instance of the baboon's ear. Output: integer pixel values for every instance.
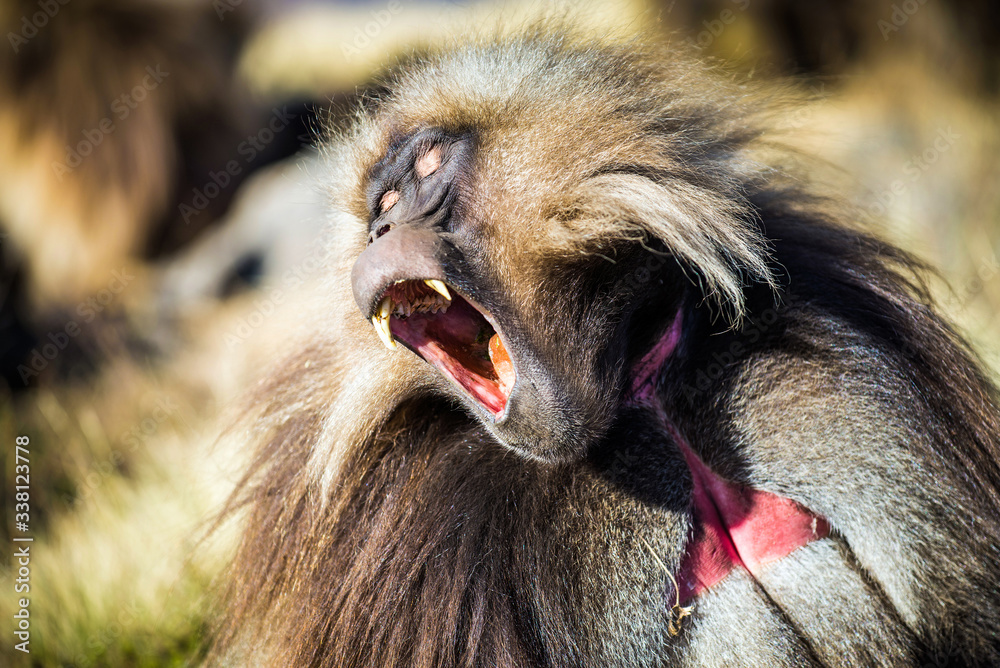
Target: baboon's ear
(712, 236)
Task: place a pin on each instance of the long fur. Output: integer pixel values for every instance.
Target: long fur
(386, 527)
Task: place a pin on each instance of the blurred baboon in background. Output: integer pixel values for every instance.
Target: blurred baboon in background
(102, 104)
(121, 122)
(635, 396)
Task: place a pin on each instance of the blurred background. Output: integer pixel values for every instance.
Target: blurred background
(161, 210)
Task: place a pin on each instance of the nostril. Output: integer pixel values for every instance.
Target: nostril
(380, 232)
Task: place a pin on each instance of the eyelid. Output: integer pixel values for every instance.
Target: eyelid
(387, 200)
(429, 161)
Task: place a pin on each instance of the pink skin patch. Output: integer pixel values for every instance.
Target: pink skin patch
(428, 163)
(735, 526)
(644, 373)
(388, 200)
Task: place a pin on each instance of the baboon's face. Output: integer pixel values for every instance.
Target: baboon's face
(461, 266)
(531, 236)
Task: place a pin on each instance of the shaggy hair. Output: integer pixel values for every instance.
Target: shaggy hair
(384, 526)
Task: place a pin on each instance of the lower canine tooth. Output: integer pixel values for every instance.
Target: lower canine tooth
(438, 287)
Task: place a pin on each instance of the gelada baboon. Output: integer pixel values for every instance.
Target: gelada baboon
(632, 396)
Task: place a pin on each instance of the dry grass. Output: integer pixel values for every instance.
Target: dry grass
(127, 471)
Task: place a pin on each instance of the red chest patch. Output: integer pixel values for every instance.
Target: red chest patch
(737, 526)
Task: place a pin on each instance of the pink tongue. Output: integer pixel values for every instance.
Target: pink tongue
(738, 526)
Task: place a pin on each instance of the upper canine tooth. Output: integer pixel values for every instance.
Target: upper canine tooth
(385, 308)
(438, 287)
(381, 323)
(382, 327)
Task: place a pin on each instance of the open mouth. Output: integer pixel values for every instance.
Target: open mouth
(447, 331)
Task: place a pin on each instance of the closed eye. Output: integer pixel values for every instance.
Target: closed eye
(388, 200)
(429, 162)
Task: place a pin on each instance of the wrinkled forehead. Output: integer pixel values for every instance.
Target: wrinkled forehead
(524, 115)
